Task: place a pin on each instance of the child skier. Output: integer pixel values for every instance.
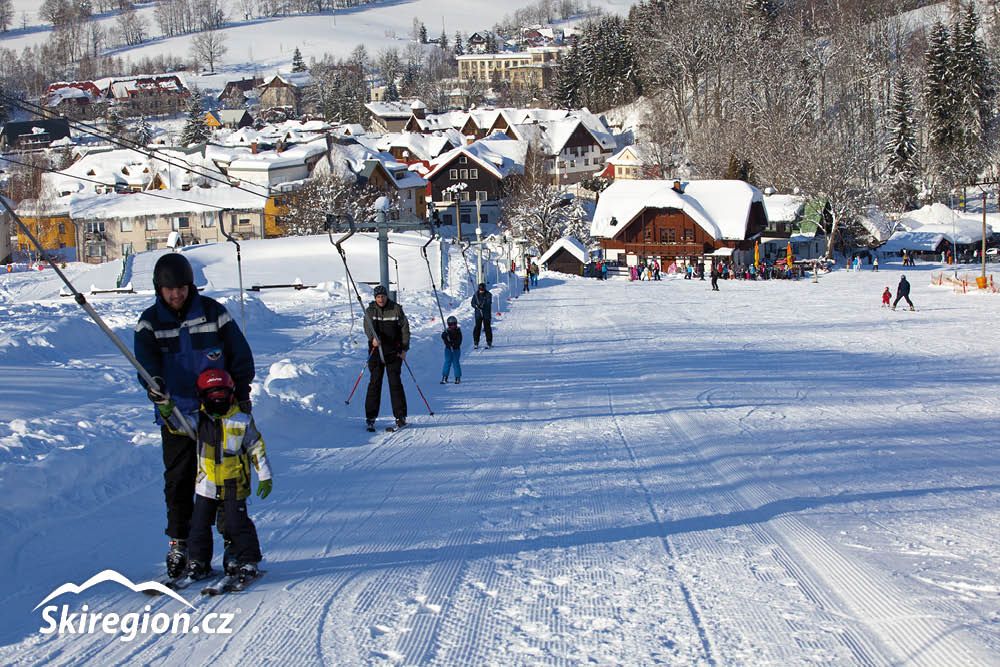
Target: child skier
(886, 298)
(452, 338)
(228, 442)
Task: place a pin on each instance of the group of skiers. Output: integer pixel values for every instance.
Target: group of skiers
(902, 292)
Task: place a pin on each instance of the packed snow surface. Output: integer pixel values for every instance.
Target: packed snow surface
(638, 473)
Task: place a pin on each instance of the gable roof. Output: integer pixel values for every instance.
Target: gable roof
(568, 243)
(721, 208)
(57, 128)
(499, 155)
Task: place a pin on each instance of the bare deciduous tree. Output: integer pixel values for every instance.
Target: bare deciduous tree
(208, 47)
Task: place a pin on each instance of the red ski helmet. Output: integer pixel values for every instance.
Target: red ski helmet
(215, 384)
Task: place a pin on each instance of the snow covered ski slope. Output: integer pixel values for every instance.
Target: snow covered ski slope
(638, 473)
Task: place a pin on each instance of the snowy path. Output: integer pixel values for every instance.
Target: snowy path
(642, 481)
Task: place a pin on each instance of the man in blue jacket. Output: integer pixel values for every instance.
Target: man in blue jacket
(178, 337)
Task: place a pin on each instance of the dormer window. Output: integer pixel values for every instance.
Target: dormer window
(463, 160)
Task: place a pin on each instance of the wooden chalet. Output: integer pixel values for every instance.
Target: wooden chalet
(637, 220)
(567, 255)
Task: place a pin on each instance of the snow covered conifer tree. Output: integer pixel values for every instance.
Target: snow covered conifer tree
(459, 49)
(941, 107)
(973, 91)
(901, 147)
(143, 133)
(195, 129)
(114, 125)
(567, 88)
(298, 64)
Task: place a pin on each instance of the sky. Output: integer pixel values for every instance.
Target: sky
(780, 472)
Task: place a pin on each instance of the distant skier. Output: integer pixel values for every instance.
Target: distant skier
(482, 305)
(452, 338)
(393, 330)
(604, 270)
(886, 297)
(178, 337)
(533, 270)
(875, 265)
(229, 444)
(715, 277)
(903, 292)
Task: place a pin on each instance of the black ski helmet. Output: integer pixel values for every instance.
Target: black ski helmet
(482, 287)
(380, 289)
(452, 320)
(172, 270)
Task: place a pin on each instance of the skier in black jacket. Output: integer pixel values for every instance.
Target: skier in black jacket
(393, 332)
(452, 337)
(903, 292)
(482, 304)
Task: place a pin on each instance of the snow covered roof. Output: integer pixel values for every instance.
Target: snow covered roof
(296, 79)
(629, 156)
(166, 202)
(421, 146)
(500, 155)
(922, 241)
(570, 245)
(721, 208)
(399, 109)
(784, 208)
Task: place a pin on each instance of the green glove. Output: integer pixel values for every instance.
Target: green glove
(165, 409)
(263, 488)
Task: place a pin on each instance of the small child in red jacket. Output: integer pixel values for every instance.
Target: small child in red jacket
(886, 298)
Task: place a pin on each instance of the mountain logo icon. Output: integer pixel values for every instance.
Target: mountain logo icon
(113, 576)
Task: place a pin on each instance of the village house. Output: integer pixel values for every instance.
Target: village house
(630, 162)
(639, 220)
(228, 118)
(284, 92)
(477, 42)
(567, 255)
(395, 178)
(80, 100)
(475, 178)
(574, 147)
(148, 95)
(34, 134)
(237, 94)
(394, 116)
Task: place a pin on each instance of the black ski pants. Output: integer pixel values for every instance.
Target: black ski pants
(902, 296)
(715, 283)
(482, 323)
(237, 529)
(180, 465)
(393, 367)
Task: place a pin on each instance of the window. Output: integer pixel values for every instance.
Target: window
(453, 174)
(463, 174)
(483, 218)
(152, 244)
(474, 174)
(480, 195)
(127, 249)
(97, 250)
(92, 227)
(463, 160)
(466, 219)
(125, 225)
(182, 222)
(208, 221)
(232, 219)
(668, 236)
(244, 221)
(689, 235)
(151, 227)
(465, 196)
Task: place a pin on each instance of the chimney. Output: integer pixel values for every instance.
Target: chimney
(280, 146)
(253, 147)
(470, 139)
(678, 187)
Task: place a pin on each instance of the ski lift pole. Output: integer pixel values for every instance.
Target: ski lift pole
(407, 364)
(150, 381)
(239, 266)
(423, 251)
(350, 279)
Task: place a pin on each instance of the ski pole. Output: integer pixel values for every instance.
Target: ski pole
(358, 381)
(181, 420)
(407, 364)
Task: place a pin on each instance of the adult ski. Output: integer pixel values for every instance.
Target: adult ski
(178, 583)
(231, 583)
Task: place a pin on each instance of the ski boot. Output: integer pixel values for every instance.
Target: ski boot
(197, 570)
(247, 572)
(401, 422)
(177, 559)
(912, 308)
(458, 380)
(444, 380)
(370, 425)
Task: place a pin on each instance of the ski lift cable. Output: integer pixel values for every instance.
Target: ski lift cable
(343, 256)
(151, 382)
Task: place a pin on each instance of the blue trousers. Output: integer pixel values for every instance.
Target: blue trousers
(451, 358)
